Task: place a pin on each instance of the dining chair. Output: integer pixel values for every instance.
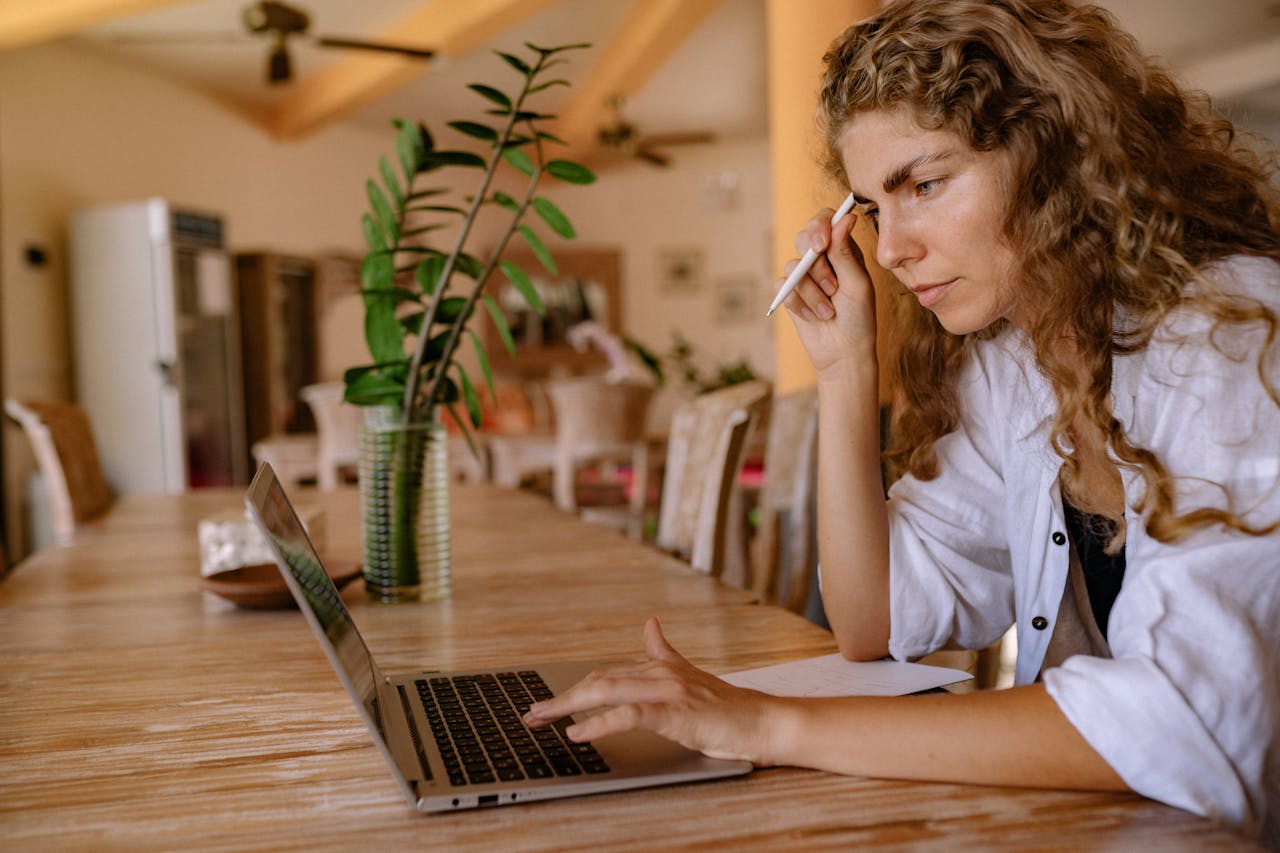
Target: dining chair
(784, 552)
(337, 431)
(61, 438)
(705, 451)
(601, 422)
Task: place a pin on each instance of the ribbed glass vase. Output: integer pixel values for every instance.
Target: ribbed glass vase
(404, 501)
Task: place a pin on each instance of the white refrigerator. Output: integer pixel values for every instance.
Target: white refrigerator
(157, 346)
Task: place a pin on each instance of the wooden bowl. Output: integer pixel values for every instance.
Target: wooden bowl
(260, 587)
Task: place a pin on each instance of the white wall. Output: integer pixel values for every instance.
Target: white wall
(78, 129)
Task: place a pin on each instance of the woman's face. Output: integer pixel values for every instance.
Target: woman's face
(938, 207)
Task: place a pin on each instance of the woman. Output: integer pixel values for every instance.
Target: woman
(1088, 433)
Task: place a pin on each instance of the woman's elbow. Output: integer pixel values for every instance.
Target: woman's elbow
(857, 648)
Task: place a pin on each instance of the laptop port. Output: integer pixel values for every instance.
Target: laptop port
(488, 799)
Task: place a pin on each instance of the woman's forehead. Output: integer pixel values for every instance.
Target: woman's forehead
(878, 146)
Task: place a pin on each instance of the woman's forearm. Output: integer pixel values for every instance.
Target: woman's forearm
(1015, 737)
(853, 528)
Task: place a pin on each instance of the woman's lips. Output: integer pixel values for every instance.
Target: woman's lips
(930, 294)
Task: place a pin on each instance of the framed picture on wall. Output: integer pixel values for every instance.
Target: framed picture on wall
(680, 270)
(737, 299)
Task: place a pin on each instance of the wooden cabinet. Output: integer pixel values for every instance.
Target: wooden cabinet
(278, 331)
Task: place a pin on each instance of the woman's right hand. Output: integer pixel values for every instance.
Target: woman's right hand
(833, 307)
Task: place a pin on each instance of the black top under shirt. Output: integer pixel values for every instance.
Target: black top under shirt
(1103, 572)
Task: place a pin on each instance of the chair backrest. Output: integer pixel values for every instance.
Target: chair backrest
(784, 553)
(337, 431)
(61, 439)
(596, 418)
(705, 452)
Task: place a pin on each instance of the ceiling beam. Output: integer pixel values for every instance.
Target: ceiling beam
(641, 45)
(28, 22)
(451, 28)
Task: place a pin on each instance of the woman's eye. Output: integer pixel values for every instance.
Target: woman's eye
(926, 187)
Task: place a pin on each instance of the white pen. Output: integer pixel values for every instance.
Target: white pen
(806, 262)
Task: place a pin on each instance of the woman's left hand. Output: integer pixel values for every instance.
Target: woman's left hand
(669, 696)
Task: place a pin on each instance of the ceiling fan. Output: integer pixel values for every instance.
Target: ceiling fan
(281, 23)
(623, 137)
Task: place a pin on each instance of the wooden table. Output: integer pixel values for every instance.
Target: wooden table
(139, 712)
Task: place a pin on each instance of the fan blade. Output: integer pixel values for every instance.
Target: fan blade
(357, 44)
(662, 140)
(651, 156)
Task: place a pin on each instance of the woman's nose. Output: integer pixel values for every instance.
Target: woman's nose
(896, 242)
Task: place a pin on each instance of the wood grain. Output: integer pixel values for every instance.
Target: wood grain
(141, 713)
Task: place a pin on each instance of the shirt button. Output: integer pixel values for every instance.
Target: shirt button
(1039, 623)
(1058, 538)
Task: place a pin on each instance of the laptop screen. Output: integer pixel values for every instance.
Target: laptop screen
(317, 597)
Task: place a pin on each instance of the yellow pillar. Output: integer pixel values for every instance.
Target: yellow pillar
(799, 32)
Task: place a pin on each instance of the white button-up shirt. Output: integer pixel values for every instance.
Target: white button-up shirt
(1188, 709)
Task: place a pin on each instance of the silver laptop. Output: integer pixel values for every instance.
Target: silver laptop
(454, 740)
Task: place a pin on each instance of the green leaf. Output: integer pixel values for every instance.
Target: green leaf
(551, 137)
(470, 266)
(539, 249)
(398, 295)
(450, 309)
(373, 236)
(571, 172)
(521, 281)
(382, 210)
(519, 160)
(419, 195)
(552, 215)
(463, 427)
(504, 200)
(547, 85)
(492, 94)
(436, 159)
(378, 271)
(515, 62)
(439, 208)
(448, 391)
(407, 149)
(382, 330)
(482, 358)
(475, 129)
(470, 397)
(500, 323)
(547, 51)
(427, 274)
(390, 181)
(412, 323)
(424, 229)
(373, 389)
(424, 138)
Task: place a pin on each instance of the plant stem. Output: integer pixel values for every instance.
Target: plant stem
(413, 380)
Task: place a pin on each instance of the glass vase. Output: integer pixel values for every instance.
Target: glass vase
(404, 503)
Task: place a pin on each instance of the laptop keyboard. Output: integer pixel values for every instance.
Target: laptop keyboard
(476, 723)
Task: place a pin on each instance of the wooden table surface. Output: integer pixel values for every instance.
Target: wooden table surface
(139, 712)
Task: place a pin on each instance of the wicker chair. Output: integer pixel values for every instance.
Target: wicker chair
(708, 442)
(602, 422)
(784, 553)
(61, 438)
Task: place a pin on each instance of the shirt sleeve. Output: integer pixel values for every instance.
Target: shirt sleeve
(1188, 709)
(950, 582)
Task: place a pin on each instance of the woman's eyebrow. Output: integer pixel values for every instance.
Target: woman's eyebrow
(902, 173)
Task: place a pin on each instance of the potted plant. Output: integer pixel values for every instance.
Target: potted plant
(419, 302)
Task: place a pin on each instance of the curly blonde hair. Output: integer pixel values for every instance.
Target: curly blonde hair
(1123, 187)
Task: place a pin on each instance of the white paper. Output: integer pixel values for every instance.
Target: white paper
(832, 675)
